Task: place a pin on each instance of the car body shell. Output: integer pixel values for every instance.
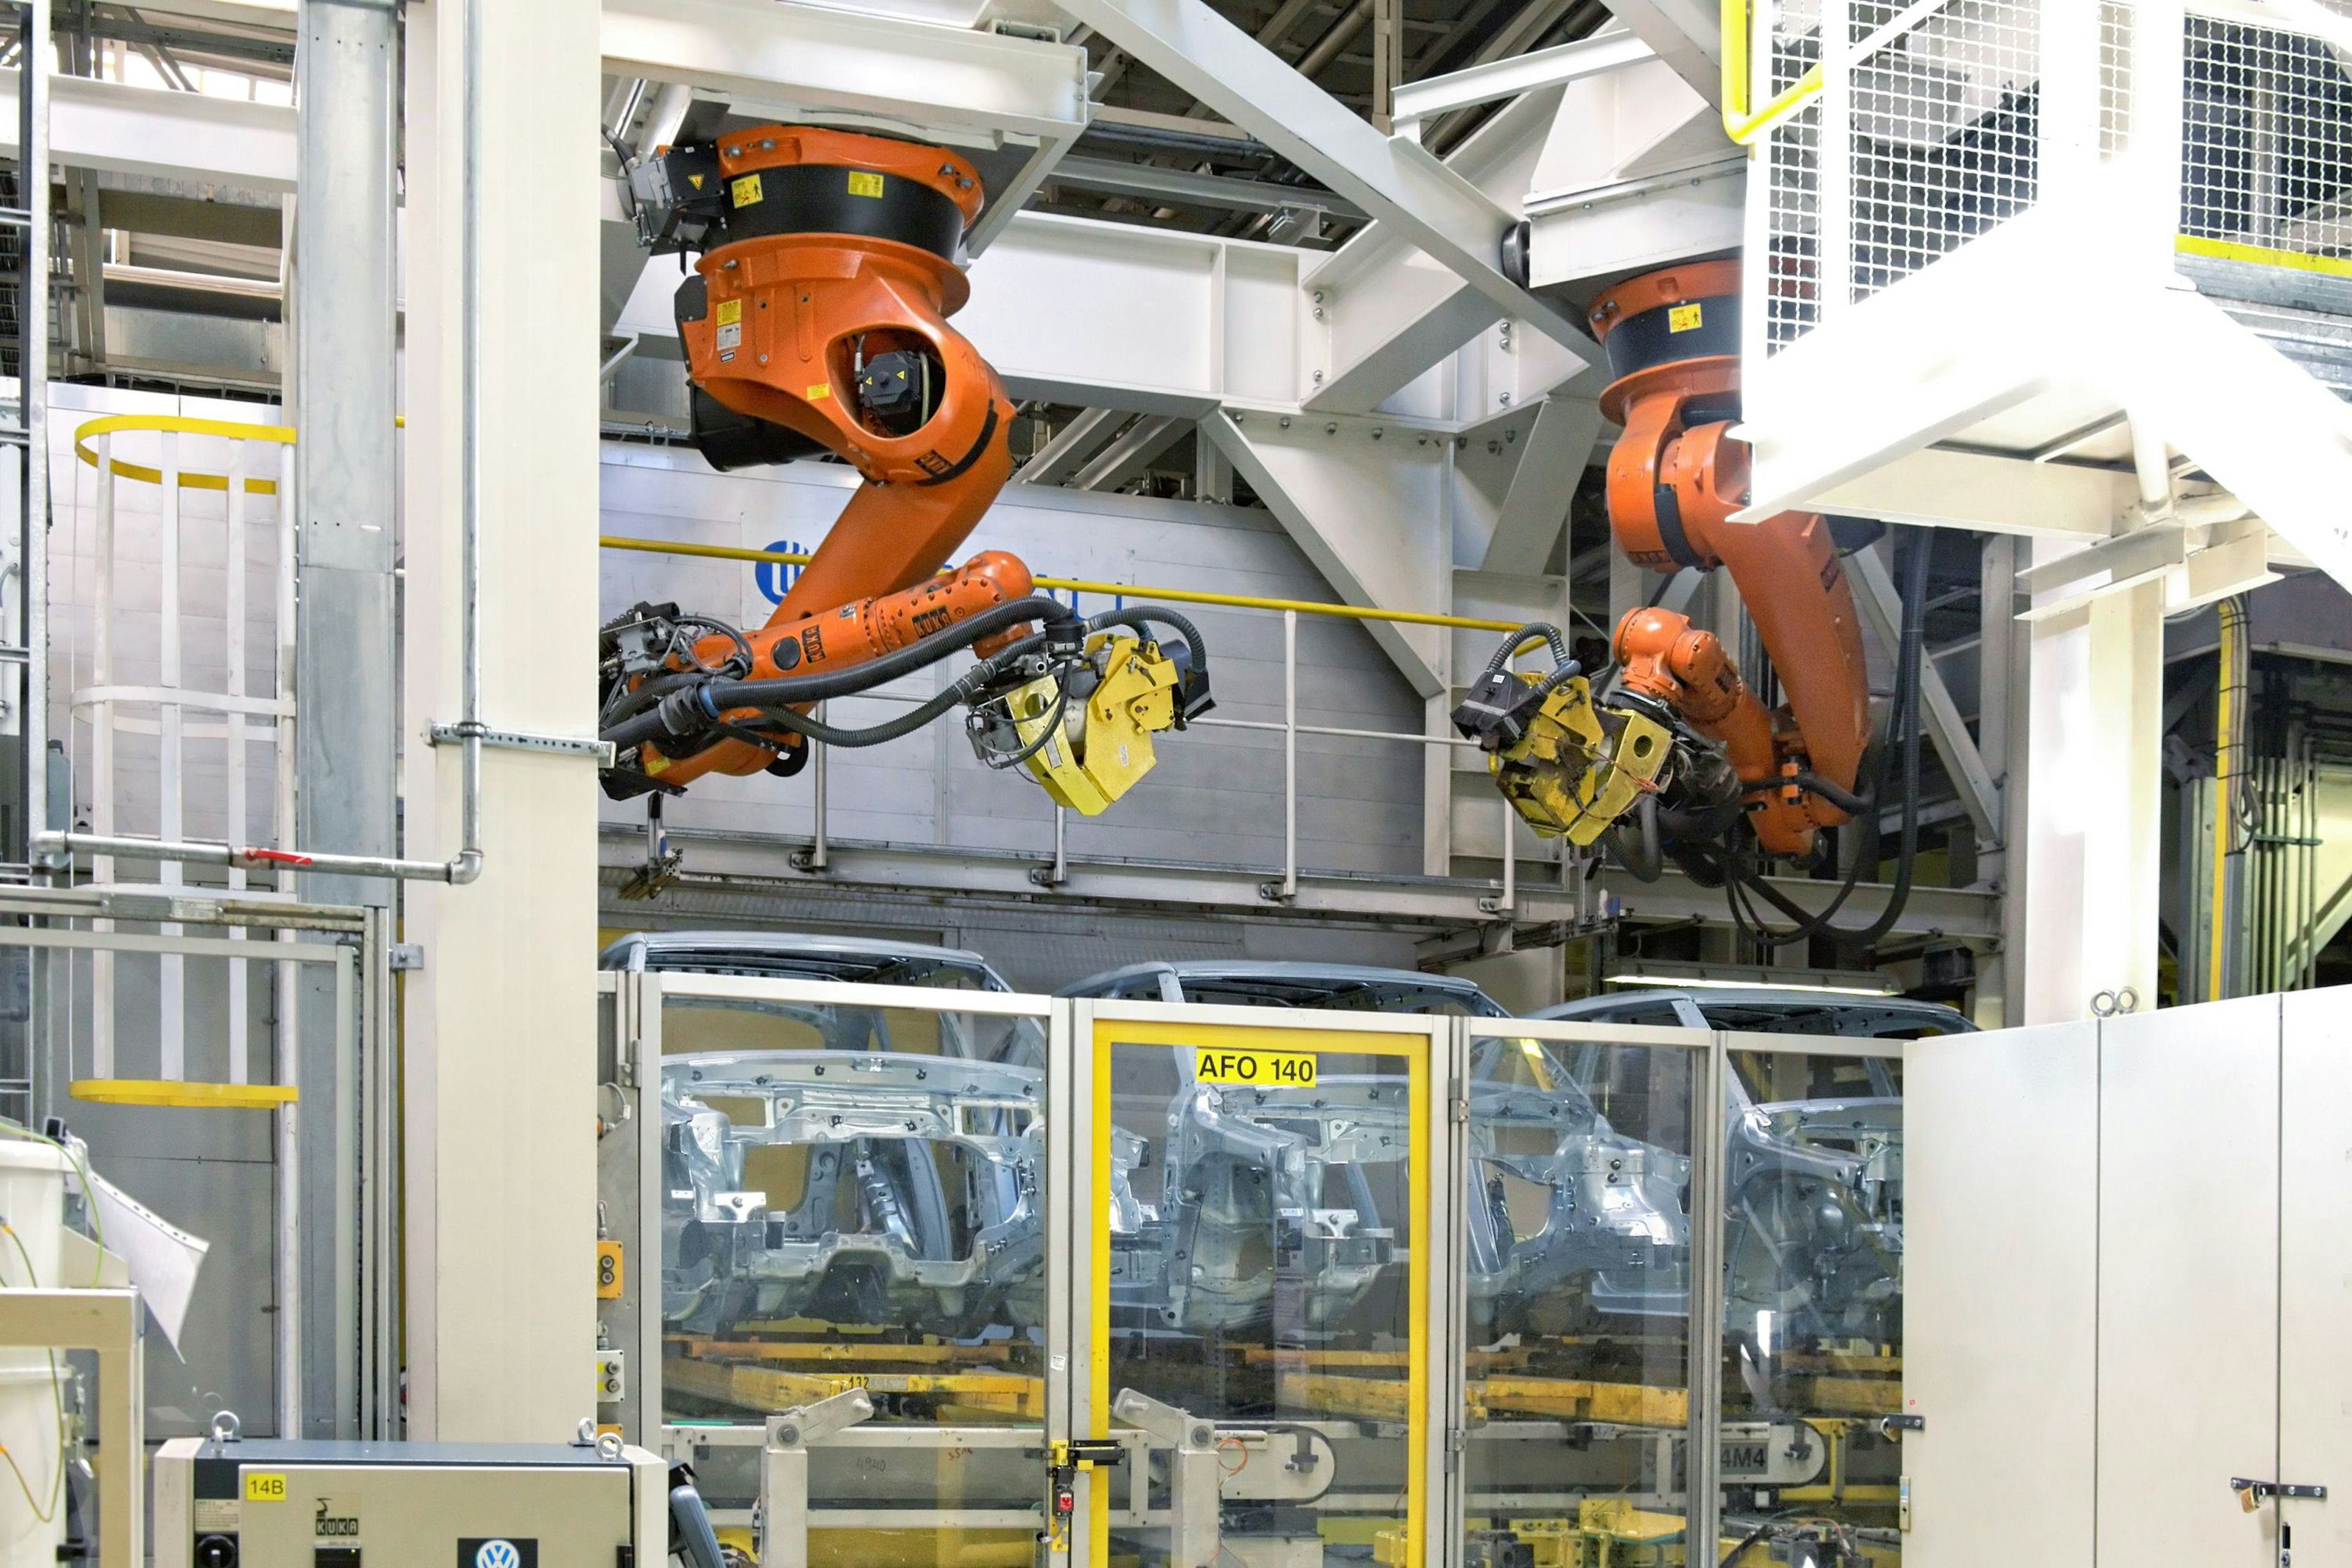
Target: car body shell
(1814, 1188)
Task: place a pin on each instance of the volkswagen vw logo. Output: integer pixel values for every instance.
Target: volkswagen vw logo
(498, 1555)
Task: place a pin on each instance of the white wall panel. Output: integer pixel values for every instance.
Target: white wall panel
(2189, 1274)
(2001, 1295)
(2316, 1271)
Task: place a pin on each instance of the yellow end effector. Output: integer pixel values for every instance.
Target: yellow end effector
(1102, 743)
(1580, 767)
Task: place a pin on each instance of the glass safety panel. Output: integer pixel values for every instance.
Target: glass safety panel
(1576, 1289)
(853, 1197)
(1813, 1324)
(1260, 1338)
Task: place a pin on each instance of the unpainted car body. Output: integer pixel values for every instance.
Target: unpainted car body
(1267, 983)
(1614, 1236)
(884, 1169)
(1813, 1186)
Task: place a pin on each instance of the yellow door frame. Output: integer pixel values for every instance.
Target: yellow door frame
(1417, 1048)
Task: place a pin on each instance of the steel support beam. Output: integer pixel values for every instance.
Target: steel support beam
(1392, 178)
(760, 865)
(1535, 509)
(916, 78)
(247, 12)
(1072, 444)
(1634, 174)
(1381, 314)
(1419, 102)
(193, 136)
(991, 94)
(1881, 605)
(1221, 193)
(2002, 701)
(347, 767)
(1686, 34)
(2091, 848)
(1113, 316)
(1130, 452)
(1367, 511)
(1986, 493)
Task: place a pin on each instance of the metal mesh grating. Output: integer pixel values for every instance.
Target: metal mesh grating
(1793, 151)
(2266, 187)
(2266, 145)
(1946, 131)
(2116, 23)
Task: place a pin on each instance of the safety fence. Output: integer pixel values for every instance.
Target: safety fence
(884, 1259)
(138, 988)
(1931, 123)
(180, 669)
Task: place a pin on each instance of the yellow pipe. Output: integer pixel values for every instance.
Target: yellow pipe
(1082, 585)
(2224, 758)
(1738, 123)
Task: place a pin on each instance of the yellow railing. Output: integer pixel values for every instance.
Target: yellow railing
(1084, 586)
(179, 425)
(1738, 123)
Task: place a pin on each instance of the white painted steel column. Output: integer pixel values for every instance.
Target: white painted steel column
(1290, 753)
(501, 1164)
(172, 976)
(2091, 850)
(286, 979)
(101, 761)
(233, 631)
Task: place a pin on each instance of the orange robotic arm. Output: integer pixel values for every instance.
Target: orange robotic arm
(816, 321)
(1676, 476)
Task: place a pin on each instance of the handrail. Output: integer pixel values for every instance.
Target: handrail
(180, 425)
(1738, 122)
(1085, 585)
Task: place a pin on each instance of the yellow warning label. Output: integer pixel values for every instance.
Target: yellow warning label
(730, 311)
(1679, 318)
(695, 180)
(862, 183)
(264, 1487)
(745, 191)
(1277, 1069)
(821, 389)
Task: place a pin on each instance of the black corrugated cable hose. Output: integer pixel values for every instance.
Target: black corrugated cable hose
(980, 676)
(1141, 617)
(696, 702)
(1907, 718)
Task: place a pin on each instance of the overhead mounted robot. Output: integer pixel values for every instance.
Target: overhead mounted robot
(1681, 759)
(815, 322)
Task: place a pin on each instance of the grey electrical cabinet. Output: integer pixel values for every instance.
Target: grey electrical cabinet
(2127, 1268)
(267, 1504)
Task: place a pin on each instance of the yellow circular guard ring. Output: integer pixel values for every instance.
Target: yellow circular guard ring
(180, 425)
